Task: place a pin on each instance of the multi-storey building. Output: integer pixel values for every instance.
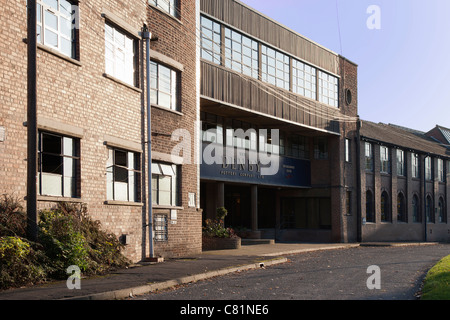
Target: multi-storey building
(405, 185)
(269, 91)
(91, 114)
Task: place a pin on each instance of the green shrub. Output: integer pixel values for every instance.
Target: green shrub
(63, 243)
(71, 237)
(66, 236)
(13, 219)
(20, 263)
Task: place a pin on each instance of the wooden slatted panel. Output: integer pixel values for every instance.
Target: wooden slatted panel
(225, 85)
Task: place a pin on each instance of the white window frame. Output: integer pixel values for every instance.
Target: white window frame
(401, 163)
(304, 79)
(385, 159)
(275, 67)
(368, 156)
(169, 6)
(211, 40)
(441, 172)
(328, 89)
(43, 9)
(415, 165)
(120, 57)
(164, 171)
(157, 87)
(240, 49)
(428, 168)
(126, 191)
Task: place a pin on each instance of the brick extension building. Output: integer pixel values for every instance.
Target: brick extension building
(404, 185)
(92, 114)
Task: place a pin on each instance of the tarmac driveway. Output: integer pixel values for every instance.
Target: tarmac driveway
(323, 275)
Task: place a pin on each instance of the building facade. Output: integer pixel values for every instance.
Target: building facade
(246, 114)
(404, 185)
(260, 83)
(91, 67)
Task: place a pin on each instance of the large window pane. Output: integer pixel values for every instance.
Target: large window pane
(119, 55)
(163, 84)
(55, 23)
(210, 40)
(275, 67)
(58, 163)
(328, 89)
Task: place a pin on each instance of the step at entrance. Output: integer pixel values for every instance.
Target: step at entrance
(250, 242)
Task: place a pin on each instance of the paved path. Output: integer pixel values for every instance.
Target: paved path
(322, 275)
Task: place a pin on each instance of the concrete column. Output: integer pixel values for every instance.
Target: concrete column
(254, 208)
(220, 195)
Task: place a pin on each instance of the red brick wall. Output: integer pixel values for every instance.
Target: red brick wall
(79, 95)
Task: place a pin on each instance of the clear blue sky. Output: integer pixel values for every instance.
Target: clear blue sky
(404, 68)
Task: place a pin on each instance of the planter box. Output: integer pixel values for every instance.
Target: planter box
(209, 243)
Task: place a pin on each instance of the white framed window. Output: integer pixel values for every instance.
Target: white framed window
(441, 172)
(415, 165)
(275, 67)
(123, 175)
(58, 165)
(401, 167)
(169, 6)
(369, 156)
(163, 83)
(304, 79)
(241, 53)
(56, 21)
(385, 160)
(428, 168)
(211, 40)
(164, 184)
(328, 89)
(119, 55)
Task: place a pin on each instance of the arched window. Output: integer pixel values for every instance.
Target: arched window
(429, 209)
(416, 209)
(441, 211)
(401, 208)
(370, 216)
(385, 209)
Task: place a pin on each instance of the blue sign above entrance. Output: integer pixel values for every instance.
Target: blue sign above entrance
(290, 172)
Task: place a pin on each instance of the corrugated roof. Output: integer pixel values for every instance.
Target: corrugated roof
(402, 137)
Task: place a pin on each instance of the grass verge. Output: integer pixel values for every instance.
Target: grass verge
(437, 282)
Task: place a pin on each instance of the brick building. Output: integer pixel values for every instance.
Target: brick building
(404, 185)
(292, 99)
(92, 114)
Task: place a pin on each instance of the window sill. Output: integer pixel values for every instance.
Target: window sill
(58, 199)
(56, 53)
(167, 109)
(123, 203)
(157, 206)
(165, 13)
(110, 77)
